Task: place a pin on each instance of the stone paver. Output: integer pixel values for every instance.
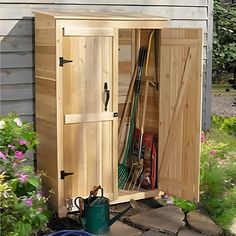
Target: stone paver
(203, 223)
(233, 227)
(188, 232)
(164, 219)
(121, 229)
(153, 233)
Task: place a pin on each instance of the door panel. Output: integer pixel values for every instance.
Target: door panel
(179, 118)
(88, 128)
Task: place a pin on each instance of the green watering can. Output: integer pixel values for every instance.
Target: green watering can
(95, 212)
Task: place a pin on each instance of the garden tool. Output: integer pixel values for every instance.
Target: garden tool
(97, 215)
(122, 168)
(137, 166)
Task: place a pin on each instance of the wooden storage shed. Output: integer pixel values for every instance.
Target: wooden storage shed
(75, 55)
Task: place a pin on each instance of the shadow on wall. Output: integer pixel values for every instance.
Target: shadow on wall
(17, 67)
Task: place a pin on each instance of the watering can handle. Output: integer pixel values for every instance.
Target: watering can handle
(95, 191)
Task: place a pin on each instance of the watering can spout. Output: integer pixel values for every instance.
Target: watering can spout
(133, 204)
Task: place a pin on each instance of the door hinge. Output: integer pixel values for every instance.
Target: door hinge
(115, 114)
(63, 61)
(64, 174)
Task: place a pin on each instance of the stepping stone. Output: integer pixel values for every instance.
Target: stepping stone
(119, 228)
(153, 233)
(233, 227)
(165, 219)
(188, 232)
(203, 223)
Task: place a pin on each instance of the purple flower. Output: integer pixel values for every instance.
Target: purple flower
(2, 155)
(23, 178)
(19, 155)
(22, 142)
(213, 152)
(29, 202)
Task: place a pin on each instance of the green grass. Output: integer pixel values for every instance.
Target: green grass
(221, 88)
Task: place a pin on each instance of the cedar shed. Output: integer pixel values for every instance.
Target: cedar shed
(75, 55)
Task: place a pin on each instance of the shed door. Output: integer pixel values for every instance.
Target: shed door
(180, 112)
(89, 128)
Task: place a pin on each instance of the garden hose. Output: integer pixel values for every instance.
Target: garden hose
(70, 233)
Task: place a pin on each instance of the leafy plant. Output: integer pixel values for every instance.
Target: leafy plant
(23, 208)
(227, 124)
(224, 46)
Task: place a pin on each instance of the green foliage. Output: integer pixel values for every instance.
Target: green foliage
(23, 209)
(227, 124)
(218, 176)
(224, 45)
(185, 205)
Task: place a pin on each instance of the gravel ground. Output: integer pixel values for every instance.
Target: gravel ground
(224, 105)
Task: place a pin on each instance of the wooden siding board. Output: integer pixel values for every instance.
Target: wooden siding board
(116, 2)
(16, 43)
(16, 76)
(173, 12)
(17, 92)
(17, 27)
(16, 60)
(21, 107)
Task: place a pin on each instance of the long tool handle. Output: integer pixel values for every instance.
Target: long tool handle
(143, 118)
(141, 60)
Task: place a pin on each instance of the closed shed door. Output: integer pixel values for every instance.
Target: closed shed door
(180, 112)
(89, 127)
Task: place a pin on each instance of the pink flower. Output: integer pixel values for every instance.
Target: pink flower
(2, 155)
(23, 178)
(19, 155)
(40, 209)
(22, 142)
(213, 152)
(29, 202)
(203, 137)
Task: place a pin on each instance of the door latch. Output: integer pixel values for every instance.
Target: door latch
(64, 174)
(63, 61)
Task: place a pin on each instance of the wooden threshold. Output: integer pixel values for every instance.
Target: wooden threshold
(126, 195)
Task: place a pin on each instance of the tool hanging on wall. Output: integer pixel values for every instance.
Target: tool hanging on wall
(122, 168)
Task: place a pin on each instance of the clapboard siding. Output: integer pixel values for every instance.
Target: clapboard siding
(16, 27)
(17, 38)
(17, 92)
(16, 43)
(118, 2)
(16, 76)
(21, 107)
(16, 59)
(195, 13)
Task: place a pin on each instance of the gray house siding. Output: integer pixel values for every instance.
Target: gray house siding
(17, 41)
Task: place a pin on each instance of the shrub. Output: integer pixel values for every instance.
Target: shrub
(23, 208)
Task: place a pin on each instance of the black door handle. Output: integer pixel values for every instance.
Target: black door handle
(107, 95)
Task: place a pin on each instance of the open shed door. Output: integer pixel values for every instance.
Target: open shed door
(180, 75)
